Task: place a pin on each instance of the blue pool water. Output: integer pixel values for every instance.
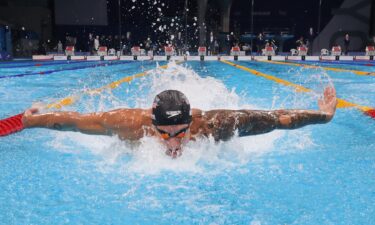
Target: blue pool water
(320, 174)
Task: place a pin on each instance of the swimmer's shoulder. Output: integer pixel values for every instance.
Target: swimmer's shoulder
(130, 124)
(196, 113)
(210, 122)
(199, 123)
(136, 117)
(201, 115)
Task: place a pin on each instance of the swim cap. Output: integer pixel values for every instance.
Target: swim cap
(170, 107)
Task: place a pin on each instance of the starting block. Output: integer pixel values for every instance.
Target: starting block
(370, 51)
(336, 51)
(235, 51)
(268, 51)
(168, 51)
(102, 51)
(69, 50)
(202, 52)
(136, 51)
(302, 51)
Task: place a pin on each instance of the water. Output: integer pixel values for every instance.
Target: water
(321, 174)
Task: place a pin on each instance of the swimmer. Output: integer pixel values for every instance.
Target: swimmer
(174, 123)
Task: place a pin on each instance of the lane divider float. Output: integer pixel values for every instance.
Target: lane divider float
(341, 103)
(59, 70)
(14, 123)
(357, 72)
(71, 99)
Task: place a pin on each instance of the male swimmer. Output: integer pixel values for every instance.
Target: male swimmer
(172, 121)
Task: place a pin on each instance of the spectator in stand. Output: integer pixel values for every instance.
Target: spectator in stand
(123, 45)
(96, 44)
(116, 43)
(129, 42)
(154, 47)
(103, 40)
(227, 44)
(109, 42)
(29, 46)
(346, 44)
(272, 43)
(148, 45)
(172, 42)
(260, 43)
(67, 39)
(310, 39)
(42, 48)
(211, 44)
(60, 48)
(233, 40)
(216, 47)
(179, 44)
(90, 44)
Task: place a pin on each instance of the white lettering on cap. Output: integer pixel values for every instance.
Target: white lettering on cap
(173, 113)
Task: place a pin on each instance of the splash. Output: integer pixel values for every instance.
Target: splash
(203, 93)
(316, 79)
(148, 155)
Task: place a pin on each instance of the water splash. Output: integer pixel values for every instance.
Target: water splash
(316, 79)
(148, 155)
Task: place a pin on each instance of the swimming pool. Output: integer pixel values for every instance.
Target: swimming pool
(320, 174)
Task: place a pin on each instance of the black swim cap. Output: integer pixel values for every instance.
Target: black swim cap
(170, 107)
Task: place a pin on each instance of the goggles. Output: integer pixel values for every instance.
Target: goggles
(166, 135)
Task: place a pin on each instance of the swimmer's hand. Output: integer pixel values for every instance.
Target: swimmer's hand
(328, 103)
(27, 115)
(31, 111)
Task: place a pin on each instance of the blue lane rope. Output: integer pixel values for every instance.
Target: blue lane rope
(41, 64)
(67, 69)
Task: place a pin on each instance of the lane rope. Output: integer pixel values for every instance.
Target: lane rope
(341, 103)
(72, 99)
(59, 70)
(357, 72)
(14, 123)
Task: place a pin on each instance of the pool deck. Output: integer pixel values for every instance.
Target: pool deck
(205, 58)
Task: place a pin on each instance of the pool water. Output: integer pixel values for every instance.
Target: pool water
(319, 174)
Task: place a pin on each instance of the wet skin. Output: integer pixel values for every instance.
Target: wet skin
(222, 124)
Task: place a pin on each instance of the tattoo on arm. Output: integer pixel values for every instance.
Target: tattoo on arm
(256, 122)
(292, 119)
(224, 123)
(57, 126)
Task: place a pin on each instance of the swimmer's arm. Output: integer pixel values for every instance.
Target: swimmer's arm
(252, 122)
(67, 121)
(225, 123)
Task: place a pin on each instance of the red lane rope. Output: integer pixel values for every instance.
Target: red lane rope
(371, 113)
(11, 125)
